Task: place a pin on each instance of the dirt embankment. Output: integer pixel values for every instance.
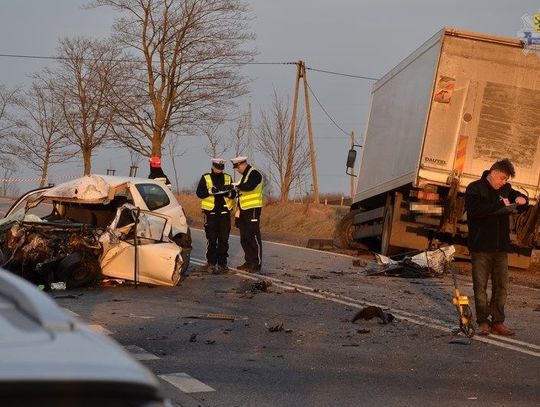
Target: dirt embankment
(293, 223)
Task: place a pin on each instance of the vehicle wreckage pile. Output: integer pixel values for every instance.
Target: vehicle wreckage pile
(88, 228)
(44, 252)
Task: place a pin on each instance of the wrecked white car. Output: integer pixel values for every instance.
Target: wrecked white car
(97, 226)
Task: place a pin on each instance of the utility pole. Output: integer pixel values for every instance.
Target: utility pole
(310, 137)
(292, 141)
(301, 74)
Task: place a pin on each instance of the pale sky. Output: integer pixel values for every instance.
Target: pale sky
(357, 37)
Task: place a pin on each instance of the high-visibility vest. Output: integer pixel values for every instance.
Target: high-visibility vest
(208, 203)
(253, 198)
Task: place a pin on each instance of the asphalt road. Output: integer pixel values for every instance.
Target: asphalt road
(316, 356)
(319, 358)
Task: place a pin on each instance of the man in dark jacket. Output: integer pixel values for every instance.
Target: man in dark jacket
(489, 202)
(156, 172)
(217, 193)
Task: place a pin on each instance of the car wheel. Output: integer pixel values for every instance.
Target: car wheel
(184, 241)
(76, 271)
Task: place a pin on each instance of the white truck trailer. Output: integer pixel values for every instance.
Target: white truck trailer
(439, 119)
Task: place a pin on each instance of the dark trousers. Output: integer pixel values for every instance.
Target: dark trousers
(486, 265)
(217, 225)
(250, 236)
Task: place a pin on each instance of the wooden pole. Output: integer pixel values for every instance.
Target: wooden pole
(292, 139)
(310, 136)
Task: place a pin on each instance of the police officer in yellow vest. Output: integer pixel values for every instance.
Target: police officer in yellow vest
(250, 202)
(217, 195)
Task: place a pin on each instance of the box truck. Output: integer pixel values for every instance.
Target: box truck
(437, 120)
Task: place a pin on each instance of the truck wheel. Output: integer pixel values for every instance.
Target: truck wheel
(343, 235)
(184, 241)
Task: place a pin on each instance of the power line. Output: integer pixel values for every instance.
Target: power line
(57, 58)
(369, 78)
(324, 110)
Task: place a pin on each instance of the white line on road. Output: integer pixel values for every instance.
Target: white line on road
(186, 383)
(139, 353)
(512, 344)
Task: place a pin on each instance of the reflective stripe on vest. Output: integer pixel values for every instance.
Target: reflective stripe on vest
(208, 203)
(253, 198)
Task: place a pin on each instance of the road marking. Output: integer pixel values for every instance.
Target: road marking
(99, 329)
(186, 383)
(500, 341)
(293, 246)
(140, 353)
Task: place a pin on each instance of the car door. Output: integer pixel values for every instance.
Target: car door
(143, 252)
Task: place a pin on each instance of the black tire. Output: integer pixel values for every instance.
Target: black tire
(184, 241)
(343, 235)
(78, 272)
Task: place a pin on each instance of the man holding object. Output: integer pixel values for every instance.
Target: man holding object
(489, 202)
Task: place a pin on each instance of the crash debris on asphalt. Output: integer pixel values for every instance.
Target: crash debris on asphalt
(422, 265)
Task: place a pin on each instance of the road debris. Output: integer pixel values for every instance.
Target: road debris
(218, 316)
(461, 341)
(372, 311)
(260, 285)
(423, 265)
(274, 328)
(67, 296)
(277, 328)
(112, 282)
(193, 338)
(359, 263)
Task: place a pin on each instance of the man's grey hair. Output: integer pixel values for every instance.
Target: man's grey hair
(505, 166)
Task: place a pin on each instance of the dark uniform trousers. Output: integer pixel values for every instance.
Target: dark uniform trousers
(217, 225)
(250, 236)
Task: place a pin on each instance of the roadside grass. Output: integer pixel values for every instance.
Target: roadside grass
(290, 222)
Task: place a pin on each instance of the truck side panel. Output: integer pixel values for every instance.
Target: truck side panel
(399, 107)
(484, 108)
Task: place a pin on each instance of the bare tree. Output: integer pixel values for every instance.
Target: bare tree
(273, 138)
(7, 101)
(217, 144)
(239, 135)
(88, 73)
(39, 140)
(7, 183)
(172, 147)
(190, 70)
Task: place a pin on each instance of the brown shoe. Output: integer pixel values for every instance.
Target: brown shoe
(501, 329)
(484, 329)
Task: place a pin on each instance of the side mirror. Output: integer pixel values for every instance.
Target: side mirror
(351, 158)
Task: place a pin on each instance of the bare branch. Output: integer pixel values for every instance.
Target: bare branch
(273, 138)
